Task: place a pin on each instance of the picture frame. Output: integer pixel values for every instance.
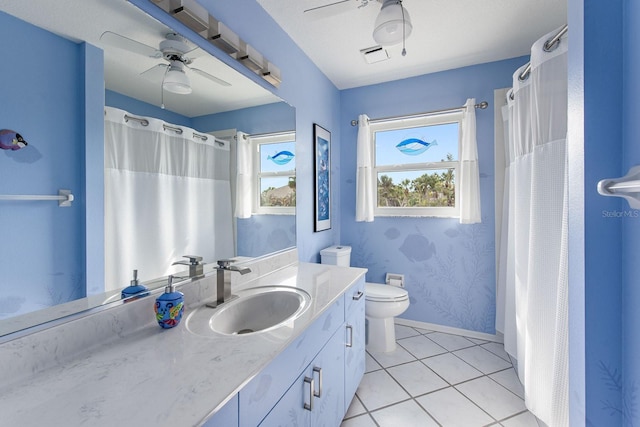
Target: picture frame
(322, 175)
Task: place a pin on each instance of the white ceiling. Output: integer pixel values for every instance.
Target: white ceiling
(87, 20)
(447, 34)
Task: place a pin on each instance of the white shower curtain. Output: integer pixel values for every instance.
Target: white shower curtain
(167, 194)
(532, 270)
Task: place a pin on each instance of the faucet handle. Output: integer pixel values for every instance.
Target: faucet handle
(193, 259)
(224, 263)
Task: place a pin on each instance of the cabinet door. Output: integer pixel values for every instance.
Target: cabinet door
(316, 398)
(328, 376)
(354, 350)
(294, 409)
(227, 416)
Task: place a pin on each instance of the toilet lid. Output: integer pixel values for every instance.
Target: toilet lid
(379, 292)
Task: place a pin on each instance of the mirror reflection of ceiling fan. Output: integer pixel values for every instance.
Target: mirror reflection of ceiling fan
(177, 56)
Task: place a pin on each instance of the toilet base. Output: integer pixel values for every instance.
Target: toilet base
(381, 335)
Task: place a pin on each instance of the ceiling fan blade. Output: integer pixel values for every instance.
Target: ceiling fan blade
(155, 73)
(122, 42)
(330, 9)
(210, 77)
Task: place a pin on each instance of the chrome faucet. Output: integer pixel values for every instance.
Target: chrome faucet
(196, 266)
(223, 284)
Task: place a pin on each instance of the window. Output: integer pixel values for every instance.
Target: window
(275, 173)
(416, 165)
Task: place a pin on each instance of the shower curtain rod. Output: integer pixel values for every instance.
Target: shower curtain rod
(145, 122)
(482, 105)
(549, 45)
(258, 135)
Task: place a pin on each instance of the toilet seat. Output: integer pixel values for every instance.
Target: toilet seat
(384, 293)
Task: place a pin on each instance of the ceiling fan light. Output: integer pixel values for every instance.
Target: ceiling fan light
(176, 81)
(388, 28)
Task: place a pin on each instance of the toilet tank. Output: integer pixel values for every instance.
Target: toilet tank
(336, 255)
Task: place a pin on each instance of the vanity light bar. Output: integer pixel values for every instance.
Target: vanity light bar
(221, 36)
(271, 73)
(196, 17)
(190, 14)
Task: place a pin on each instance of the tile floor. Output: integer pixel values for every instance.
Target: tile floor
(438, 379)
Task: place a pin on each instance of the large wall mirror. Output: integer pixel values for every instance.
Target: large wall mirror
(75, 62)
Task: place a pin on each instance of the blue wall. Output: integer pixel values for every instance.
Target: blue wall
(45, 96)
(631, 226)
(449, 268)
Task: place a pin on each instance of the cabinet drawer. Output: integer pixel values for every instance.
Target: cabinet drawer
(354, 296)
(263, 392)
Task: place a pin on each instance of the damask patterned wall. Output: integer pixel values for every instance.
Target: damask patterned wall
(449, 268)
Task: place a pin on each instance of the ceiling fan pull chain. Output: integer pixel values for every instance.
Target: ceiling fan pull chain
(404, 50)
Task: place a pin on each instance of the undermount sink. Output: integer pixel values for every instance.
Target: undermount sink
(255, 310)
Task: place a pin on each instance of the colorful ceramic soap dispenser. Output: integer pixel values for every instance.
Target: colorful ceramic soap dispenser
(134, 289)
(169, 306)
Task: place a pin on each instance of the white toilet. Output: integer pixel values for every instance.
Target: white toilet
(382, 303)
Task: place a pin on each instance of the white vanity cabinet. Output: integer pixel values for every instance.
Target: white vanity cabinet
(316, 398)
(312, 382)
(354, 355)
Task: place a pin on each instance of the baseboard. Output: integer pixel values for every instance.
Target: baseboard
(450, 330)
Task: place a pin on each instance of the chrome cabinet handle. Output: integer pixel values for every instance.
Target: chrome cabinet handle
(319, 371)
(350, 329)
(309, 406)
(357, 296)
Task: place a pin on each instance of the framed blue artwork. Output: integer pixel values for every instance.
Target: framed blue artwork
(322, 145)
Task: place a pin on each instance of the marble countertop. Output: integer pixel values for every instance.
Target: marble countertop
(165, 377)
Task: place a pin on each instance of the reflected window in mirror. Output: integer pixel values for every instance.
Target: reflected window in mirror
(275, 173)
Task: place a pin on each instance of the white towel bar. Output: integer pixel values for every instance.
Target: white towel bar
(64, 197)
(627, 187)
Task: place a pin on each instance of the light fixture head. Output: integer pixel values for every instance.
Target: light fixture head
(175, 79)
(393, 23)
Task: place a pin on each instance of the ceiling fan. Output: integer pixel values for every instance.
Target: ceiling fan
(177, 53)
(392, 25)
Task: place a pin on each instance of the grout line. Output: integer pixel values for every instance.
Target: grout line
(449, 385)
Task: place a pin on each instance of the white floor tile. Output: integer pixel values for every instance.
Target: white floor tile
(361, 421)
(450, 342)
(450, 408)
(421, 346)
(525, 419)
(497, 349)
(405, 332)
(416, 378)
(453, 369)
(477, 341)
(492, 397)
(423, 331)
(371, 364)
(405, 414)
(378, 389)
(400, 355)
(483, 360)
(355, 408)
(509, 379)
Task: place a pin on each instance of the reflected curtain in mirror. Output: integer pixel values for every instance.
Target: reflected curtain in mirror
(167, 194)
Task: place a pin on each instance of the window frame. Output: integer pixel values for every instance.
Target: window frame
(408, 123)
(257, 142)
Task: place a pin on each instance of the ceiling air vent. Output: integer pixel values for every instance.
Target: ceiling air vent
(374, 54)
